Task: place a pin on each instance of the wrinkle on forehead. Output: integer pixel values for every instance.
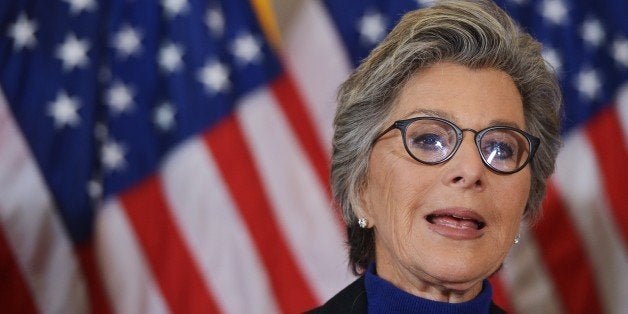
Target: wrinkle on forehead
(470, 98)
(422, 112)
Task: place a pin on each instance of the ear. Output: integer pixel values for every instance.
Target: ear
(360, 206)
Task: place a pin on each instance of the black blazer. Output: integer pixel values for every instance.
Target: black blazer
(352, 299)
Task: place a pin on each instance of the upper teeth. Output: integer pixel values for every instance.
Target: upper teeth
(458, 217)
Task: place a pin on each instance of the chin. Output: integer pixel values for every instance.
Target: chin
(459, 274)
(459, 262)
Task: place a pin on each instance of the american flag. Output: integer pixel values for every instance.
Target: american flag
(172, 156)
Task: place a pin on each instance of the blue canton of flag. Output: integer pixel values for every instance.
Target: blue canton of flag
(102, 90)
(149, 154)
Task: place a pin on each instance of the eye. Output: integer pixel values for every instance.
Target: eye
(500, 150)
(428, 141)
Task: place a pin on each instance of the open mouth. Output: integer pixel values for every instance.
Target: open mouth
(456, 220)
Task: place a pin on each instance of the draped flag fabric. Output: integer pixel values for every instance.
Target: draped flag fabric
(172, 156)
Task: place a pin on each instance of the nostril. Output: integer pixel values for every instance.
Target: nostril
(462, 181)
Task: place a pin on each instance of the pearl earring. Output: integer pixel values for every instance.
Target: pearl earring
(362, 222)
(517, 238)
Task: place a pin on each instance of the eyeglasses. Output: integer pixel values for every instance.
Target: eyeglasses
(432, 141)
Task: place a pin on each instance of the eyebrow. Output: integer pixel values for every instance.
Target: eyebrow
(505, 123)
(429, 112)
(446, 115)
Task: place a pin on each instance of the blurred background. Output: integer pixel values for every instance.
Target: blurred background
(172, 156)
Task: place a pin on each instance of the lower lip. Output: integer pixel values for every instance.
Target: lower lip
(455, 232)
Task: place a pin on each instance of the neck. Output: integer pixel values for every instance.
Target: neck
(383, 296)
(425, 286)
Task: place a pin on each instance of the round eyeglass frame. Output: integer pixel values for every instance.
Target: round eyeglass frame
(402, 125)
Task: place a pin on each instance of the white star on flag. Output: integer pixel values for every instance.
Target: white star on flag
(120, 98)
(23, 32)
(246, 49)
(127, 41)
(555, 11)
(215, 76)
(78, 6)
(170, 57)
(215, 21)
(553, 58)
(163, 116)
(173, 8)
(64, 110)
(372, 28)
(620, 51)
(94, 189)
(588, 83)
(593, 32)
(73, 52)
(424, 3)
(112, 156)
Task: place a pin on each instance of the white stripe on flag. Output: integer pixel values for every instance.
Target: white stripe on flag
(578, 180)
(622, 110)
(301, 205)
(34, 231)
(317, 72)
(526, 279)
(129, 285)
(211, 226)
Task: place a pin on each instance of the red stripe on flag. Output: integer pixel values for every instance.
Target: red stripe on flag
(500, 297)
(235, 162)
(293, 106)
(565, 258)
(171, 262)
(99, 303)
(606, 136)
(15, 297)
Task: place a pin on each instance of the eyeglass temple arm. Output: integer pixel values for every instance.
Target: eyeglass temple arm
(536, 143)
(393, 126)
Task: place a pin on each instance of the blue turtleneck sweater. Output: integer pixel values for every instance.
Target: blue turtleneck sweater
(384, 297)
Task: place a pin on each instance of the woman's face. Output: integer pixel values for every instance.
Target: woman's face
(441, 229)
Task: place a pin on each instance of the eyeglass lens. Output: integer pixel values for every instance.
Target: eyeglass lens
(433, 141)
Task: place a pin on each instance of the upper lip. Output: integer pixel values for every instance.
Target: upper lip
(460, 213)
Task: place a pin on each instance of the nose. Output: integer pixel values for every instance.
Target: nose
(465, 169)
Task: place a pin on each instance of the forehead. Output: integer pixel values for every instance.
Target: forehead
(469, 97)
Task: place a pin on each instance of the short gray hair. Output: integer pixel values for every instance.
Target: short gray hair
(476, 34)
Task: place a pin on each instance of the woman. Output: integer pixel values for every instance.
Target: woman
(444, 137)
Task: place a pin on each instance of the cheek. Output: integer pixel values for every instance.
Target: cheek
(521, 192)
(396, 207)
(511, 204)
(406, 202)
(396, 193)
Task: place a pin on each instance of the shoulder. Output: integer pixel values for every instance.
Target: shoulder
(352, 299)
